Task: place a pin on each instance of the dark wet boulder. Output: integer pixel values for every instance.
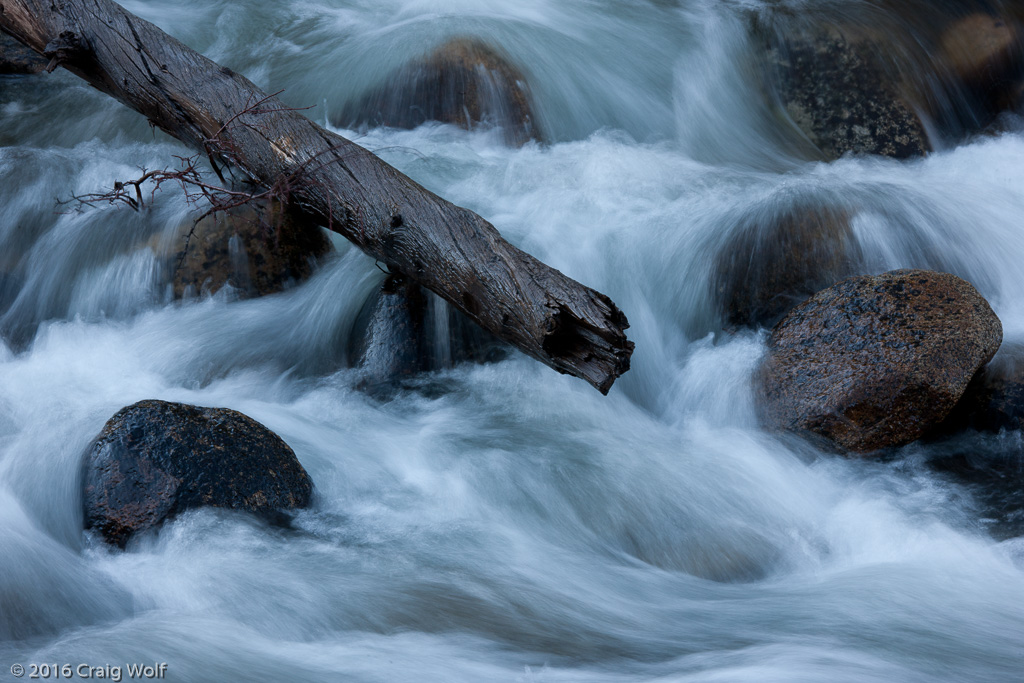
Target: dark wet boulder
(156, 459)
(258, 250)
(463, 82)
(834, 86)
(776, 259)
(15, 58)
(876, 361)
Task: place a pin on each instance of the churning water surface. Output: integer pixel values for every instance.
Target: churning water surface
(514, 525)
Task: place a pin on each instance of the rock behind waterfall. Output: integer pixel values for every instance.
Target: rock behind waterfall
(258, 249)
(463, 82)
(775, 259)
(155, 459)
(834, 85)
(876, 361)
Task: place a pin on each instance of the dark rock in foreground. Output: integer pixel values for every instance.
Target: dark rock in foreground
(463, 82)
(155, 459)
(772, 263)
(402, 331)
(260, 249)
(836, 89)
(15, 58)
(877, 361)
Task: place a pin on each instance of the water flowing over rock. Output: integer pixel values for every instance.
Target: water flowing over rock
(402, 331)
(834, 86)
(155, 459)
(876, 361)
(258, 250)
(463, 82)
(775, 261)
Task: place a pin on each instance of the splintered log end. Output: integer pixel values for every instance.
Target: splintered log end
(594, 350)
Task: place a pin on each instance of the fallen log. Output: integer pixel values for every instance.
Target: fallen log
(446, 248)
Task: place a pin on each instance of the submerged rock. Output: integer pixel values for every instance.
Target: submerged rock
(155, 459)
(402, 331)
(258, 250)
(773, 262)
(834, 86)
(877, 361)
(463, 82)
(15, 58)
(389, 341)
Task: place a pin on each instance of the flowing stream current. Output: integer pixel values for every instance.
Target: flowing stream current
(510, 523)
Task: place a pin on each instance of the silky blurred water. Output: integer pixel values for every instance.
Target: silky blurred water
(513, 524)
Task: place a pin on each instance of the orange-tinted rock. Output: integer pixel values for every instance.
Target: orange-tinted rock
(773, 262)
(463, 82)
(257, 250)
(877, 361)
(156, 459)
(981, 47)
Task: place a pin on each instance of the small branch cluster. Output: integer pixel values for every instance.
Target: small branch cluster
(219, 198)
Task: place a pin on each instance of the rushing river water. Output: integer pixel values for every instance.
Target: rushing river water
(513, 524)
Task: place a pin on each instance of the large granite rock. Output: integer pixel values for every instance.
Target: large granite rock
(983, 55)
(876, 361)
(773, 262)
(463, 82)
(155, 459)
(834, 86)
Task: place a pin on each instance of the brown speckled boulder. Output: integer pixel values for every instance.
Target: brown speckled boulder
(834, 86)
(773, 262)
(876, 361)
(155, 459)
(463, 82)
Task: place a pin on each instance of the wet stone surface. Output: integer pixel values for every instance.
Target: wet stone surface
(155, 459)
(876, 361)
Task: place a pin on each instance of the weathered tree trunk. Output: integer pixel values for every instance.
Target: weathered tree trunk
(448, 249)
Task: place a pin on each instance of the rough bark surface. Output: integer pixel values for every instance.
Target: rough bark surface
(448, 249)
